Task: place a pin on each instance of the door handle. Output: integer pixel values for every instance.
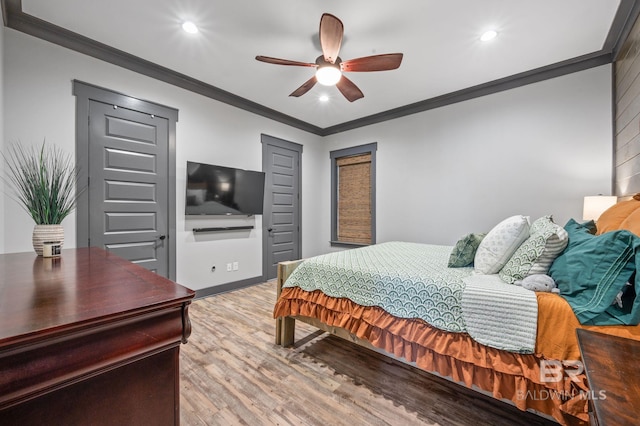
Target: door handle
(162, 237)
(269, 229)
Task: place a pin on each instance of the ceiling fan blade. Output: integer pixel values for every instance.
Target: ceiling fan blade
(278, 61)
(389, 61)
(305, 87)
(349, 89)
(331, 32)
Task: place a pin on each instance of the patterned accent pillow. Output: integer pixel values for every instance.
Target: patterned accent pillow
(465, 250)
(537, 253)
(497, 247)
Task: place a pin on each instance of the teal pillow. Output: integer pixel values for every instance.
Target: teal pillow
(579, 232)
(465, 250)
(592, 270)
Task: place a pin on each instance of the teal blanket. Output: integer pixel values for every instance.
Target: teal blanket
(407, 280)
(592, 275)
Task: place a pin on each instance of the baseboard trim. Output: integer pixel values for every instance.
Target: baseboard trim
(224, 288)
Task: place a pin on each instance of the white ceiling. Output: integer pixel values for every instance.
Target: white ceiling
(439, 39)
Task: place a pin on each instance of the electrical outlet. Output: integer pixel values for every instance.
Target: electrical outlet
(229, 267)
(235, 266)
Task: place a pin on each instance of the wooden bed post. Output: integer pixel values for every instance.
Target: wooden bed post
(285, 326)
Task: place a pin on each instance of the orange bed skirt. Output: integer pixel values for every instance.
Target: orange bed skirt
(505, 375)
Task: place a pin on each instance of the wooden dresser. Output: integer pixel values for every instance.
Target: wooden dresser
(89, 338)
(611, 366)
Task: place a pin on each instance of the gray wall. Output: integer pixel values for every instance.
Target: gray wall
(533, 150)
(38, 87)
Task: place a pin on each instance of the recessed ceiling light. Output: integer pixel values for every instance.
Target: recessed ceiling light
(488, 35)
(190, 27)
(324, 98)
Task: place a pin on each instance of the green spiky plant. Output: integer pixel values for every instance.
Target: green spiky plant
(43, 181)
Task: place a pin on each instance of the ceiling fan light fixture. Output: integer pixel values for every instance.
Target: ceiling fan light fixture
(329, 66)
(328, 75)
(488, 35)
(189, 27)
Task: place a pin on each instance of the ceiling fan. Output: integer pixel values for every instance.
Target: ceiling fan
(329, 66)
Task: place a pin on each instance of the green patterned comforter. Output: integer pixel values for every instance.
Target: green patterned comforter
(408, 280)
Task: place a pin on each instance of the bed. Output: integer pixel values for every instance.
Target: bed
(527, 356)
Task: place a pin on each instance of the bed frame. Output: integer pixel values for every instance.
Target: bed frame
(285, 336)
(285, 326)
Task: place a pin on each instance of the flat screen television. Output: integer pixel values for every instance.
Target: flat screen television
(217, 190)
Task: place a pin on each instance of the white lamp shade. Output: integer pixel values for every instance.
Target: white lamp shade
(595, 205)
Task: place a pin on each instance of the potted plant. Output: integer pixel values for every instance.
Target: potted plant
(43, 181)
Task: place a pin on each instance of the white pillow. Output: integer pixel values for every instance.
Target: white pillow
(500, 244)
(535, 256)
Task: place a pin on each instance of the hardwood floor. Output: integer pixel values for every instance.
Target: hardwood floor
(233, 374)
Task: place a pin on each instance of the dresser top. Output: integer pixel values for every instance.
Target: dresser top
(84, 286)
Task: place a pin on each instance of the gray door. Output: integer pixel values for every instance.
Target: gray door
(281, 220)
(128, 184)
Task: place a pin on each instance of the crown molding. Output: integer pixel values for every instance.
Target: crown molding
(14, 17)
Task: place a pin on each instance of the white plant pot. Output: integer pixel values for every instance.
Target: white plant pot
(47, 233)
